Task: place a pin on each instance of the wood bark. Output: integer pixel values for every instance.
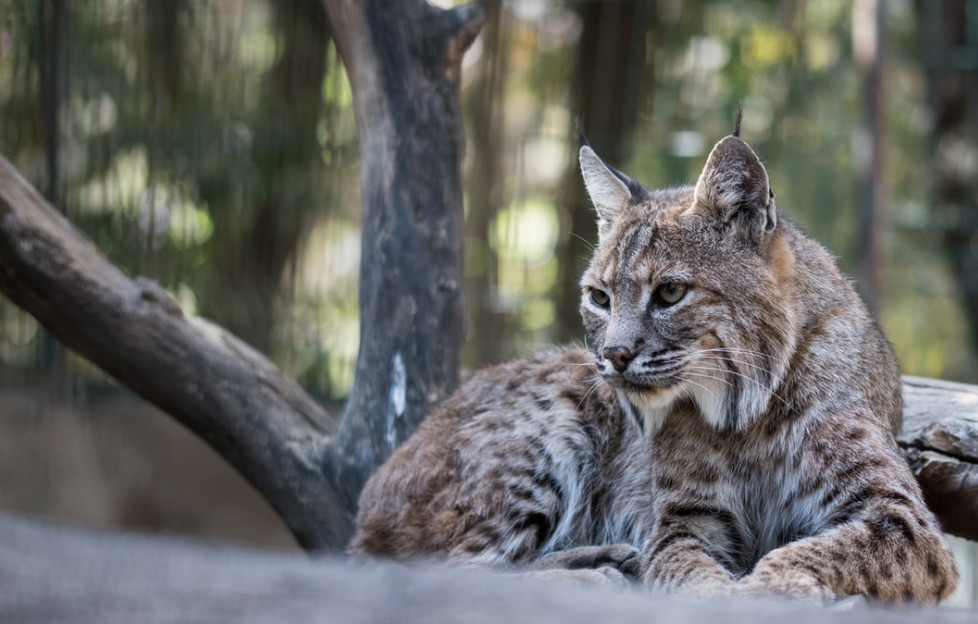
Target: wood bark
(940, 440)
(50, 574)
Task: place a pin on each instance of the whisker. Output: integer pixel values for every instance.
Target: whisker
(731, 350)
(734, 350)
(726, 382)
(757, 367)
(742, 376)
(698, 385)
(591, 246)
(590, 391)
(731, 353)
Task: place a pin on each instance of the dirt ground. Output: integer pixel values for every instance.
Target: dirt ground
(116, 462)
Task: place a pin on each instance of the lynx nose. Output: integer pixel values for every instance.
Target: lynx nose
(619, 357)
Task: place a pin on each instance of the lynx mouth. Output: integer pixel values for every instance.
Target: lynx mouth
(646, 376)
(644, 386)
(648, 380)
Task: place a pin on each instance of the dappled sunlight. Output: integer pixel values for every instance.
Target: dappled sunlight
(324, 328)
(119, 189)
(177, 197)
(526, 232)
(19, 331)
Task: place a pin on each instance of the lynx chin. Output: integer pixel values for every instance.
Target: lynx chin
(728, 431)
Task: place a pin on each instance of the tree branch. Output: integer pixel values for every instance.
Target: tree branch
(263, 423)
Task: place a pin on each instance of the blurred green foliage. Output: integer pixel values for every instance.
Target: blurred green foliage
(211, 145)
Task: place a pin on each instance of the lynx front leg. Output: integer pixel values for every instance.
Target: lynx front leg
(683, 556)
(893, 552)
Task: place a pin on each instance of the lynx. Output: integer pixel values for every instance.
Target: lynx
(729, 429)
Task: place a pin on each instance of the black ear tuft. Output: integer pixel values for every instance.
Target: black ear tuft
(740, 119)
(637, 190)
(611, 190)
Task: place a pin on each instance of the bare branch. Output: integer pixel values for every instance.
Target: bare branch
(231, 396)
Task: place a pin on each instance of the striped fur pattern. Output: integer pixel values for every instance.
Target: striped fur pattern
(729, 430)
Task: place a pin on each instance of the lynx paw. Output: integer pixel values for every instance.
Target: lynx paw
(849, 603)
(613, 556)
(793, 584)
(705, 589)
(604, 576)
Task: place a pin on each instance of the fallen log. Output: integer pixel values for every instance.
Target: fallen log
(940, 441)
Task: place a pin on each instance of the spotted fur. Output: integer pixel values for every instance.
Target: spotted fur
(733, 419)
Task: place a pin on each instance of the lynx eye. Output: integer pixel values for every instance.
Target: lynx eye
(670, 292)
(600, 298)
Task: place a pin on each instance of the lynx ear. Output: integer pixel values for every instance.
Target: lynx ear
(610, 190)
(734, 189)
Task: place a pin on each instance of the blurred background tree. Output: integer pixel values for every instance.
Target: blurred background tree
(210, 145)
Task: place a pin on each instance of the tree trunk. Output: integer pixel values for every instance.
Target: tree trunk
(950, 59)
(611, 75)
(54, 31)
(404, 61)
(250, 254)
(485, 196)
(868, 30)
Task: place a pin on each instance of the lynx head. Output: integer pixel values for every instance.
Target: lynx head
(688, 297)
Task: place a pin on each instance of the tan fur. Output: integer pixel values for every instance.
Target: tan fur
(733, 420)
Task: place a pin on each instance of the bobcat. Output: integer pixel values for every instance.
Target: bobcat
(728, 431)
